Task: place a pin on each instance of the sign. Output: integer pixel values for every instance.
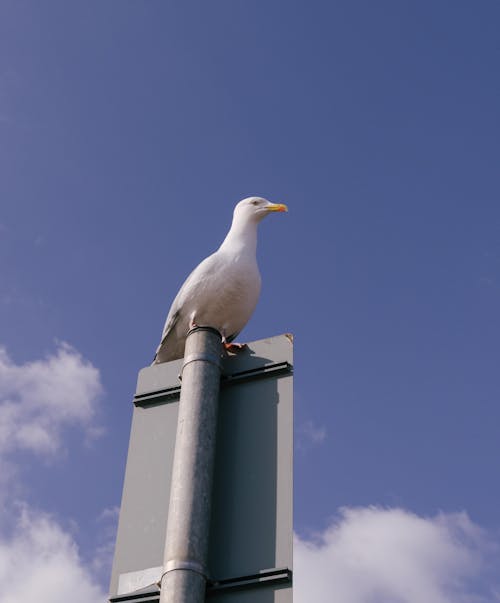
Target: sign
(250, 556)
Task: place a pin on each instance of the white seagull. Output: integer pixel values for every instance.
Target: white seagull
(223, 290)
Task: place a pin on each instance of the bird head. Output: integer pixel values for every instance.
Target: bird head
(253, 209)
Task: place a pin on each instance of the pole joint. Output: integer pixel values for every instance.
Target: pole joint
(192, 566)
(211, 358)
(209, 329)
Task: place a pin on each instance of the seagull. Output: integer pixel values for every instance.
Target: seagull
(223, 290)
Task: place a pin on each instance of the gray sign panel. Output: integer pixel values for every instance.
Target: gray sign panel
(251, 531)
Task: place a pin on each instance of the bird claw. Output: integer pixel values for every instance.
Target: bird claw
(234, 348)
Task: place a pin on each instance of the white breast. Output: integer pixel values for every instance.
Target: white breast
(226, 297)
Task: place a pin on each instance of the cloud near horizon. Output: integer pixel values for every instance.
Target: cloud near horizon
(39, 561)
(375, 555)
(370, 555)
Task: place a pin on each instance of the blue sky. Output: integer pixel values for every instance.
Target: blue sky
(128, 131)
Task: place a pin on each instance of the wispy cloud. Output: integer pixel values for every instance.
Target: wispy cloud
(39, 399)
(373, 555)
(309, 434)
(103, 556)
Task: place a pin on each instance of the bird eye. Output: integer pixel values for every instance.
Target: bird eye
(255, 202)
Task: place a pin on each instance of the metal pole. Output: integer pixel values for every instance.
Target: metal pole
(186, 545)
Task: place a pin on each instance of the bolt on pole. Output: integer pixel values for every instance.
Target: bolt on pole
(186, 546)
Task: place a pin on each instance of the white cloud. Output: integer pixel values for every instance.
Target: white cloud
(39, 401)
(40, 562)
(41, 398)
(103, 556)
(373, 555)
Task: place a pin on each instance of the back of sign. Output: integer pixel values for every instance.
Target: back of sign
(251, 531)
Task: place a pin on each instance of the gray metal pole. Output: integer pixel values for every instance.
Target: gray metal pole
(186, 545)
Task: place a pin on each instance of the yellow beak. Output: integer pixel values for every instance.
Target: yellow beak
(277, 207)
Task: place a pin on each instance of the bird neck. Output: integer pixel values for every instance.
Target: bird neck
(241, 237)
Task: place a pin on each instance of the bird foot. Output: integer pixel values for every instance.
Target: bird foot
(234, 348)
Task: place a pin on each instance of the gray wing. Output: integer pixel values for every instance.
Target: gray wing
(192, 285)
(172, 318)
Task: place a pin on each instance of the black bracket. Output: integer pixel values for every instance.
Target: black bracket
(269, 577)
(172, 393)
